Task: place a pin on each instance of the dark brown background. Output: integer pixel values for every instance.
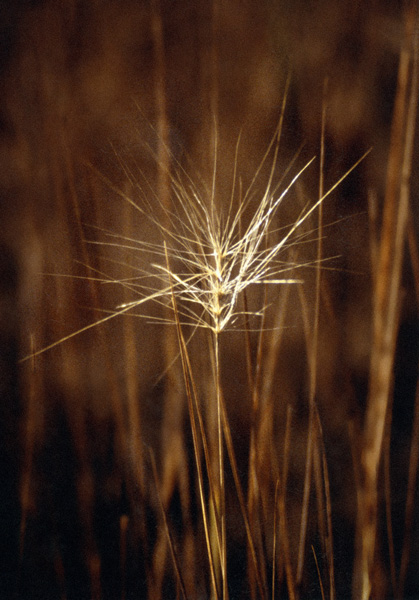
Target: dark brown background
(80, 85)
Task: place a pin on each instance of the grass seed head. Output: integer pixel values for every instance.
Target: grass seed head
(212, 261)
(212, 258)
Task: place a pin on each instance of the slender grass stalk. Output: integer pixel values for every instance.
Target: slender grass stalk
(283, 527)
(414, 448)
(316, 464)
(274, 540)
(220, 490)
(306, 499)
(257, 439)
(320, 448)
(167, 529)
(213, 67)
(386, 306)
(329, 529)
(373, 233)
(174, 460)
(386, 451)
(240, 494)
(190, 393)
(255, 493)
(318, 573)
(132, 385)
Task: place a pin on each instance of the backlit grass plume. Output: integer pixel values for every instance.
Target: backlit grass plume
(212, 262)
(204, 261)
(213, 258)
(208, 253)
(209, 260)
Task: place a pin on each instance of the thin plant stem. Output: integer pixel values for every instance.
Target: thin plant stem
(414, 253)
(414, 447)
(328, 502)
(306, 499)
(312, 348)
(318, 573)
(220, 490)
(240, 494)
(387, 494)
(167, 528)
(274, 539)
(386, 307)
(189, 393)
(313, 362)
(255, 453)
(283, 528)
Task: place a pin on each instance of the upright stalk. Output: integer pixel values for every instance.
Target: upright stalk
(217, 306)
(220, 492)
(387, 302)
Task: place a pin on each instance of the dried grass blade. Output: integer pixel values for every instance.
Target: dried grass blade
(166, 526)
(283, 527)
(318, 573)
(240, 495)
(328, 501)
(190, 394)
(386, 303)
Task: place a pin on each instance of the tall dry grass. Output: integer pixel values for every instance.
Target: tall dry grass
(214, 388)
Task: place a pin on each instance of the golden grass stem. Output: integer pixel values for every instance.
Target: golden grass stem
(274, 539)
(414, 446)
(306, 500)
(178, 572)
(387, 493)
(313, 458)
(328, 504)
(190, 394)
(315, 333)
(220, 489)
(414, 253)
(318, 573)
(255, 469)
(283, 527)
(386, 304)
(174, 461)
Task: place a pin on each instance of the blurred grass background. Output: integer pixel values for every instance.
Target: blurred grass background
(86, 87)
